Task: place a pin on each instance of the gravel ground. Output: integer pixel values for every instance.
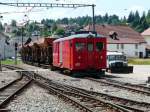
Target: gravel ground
(37, 99)
(4, 76)
(89, 85)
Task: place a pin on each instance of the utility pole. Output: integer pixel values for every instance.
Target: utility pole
(16, 46)
(22, 35)
(4, 51)
(93, 12)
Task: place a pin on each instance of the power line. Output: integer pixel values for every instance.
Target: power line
(46, 5)
(58, 5)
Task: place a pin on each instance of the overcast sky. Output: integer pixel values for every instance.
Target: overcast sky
(118, 7)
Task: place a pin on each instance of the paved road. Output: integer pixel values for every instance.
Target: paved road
(140, 74)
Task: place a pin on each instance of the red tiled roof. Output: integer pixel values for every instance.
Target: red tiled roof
(125, 33)
(146, 32)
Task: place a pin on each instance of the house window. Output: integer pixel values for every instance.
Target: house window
(117, 46)
(122, 46)
(136, 46)
(136, 53)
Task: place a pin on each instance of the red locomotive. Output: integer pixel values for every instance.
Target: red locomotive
(79, 52)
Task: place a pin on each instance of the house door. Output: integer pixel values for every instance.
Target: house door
(140, 54)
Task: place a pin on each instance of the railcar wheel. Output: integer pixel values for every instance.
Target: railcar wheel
(67, 72)
(53, 68)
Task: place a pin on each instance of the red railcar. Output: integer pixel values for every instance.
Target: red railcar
(80, 52)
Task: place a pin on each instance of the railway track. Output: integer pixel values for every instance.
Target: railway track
(130, 104)
(8, 91)
(127, 103)
(83, 101)
(79, 99)
(89, 100)
(141, 87)
(130, 87)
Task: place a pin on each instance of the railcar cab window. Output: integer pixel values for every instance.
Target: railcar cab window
(80, 46)
(99, 46)
(90, 46)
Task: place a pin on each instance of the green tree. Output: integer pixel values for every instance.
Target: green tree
(54, 27)
(105, 18)
(114, 20)
(64, 21)
(130, 17)
(60, 31)
(136, 20)
(123, 21)
(1, 26)
(148, 17)
(13, 23)
(143, 23)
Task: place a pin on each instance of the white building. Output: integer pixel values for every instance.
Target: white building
(6, 51)
(146, 35)
(122, 39)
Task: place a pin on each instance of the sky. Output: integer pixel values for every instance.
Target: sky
(118, 7)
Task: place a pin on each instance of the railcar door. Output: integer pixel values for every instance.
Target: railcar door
(100, 54)
(80, 54)
(90, 53)
(60, 52)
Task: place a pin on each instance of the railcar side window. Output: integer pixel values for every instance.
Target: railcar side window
(90, 46)
(79, 46)
(99, 46)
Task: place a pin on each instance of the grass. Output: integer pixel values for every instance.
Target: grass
(135, 61)
(10, 62)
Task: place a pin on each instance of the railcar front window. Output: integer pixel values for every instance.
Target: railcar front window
(90, 47)
(99, 46)
(80, 46)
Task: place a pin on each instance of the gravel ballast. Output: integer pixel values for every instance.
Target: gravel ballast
(89, 85)
(37, 99)
(7, 76)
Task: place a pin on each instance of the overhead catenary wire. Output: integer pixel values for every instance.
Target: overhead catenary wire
(58, 5)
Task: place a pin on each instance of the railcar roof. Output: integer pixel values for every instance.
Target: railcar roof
(78, 36)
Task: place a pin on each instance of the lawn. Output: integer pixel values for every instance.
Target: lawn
(10, 62)
(139, 61)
